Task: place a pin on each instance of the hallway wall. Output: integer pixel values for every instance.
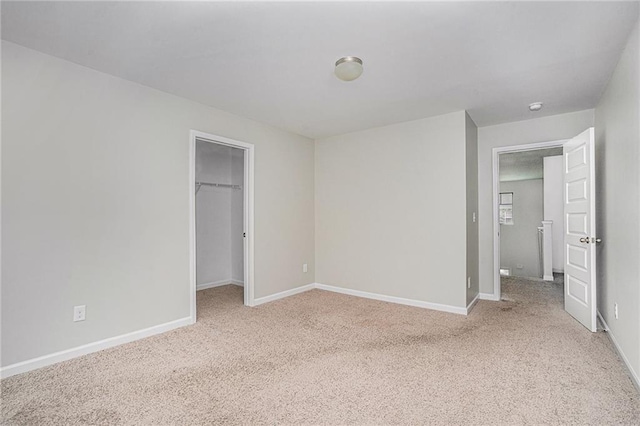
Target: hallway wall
(519, 242)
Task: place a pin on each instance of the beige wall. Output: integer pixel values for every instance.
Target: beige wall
(556, 127)
(618, 202)
(95, 203)
(471, 150)
(391, 210)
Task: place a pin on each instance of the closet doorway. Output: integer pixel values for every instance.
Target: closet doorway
(221, 214)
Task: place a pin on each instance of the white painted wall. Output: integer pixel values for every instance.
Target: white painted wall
(553, 206)
(95, 203)
(519, 242)
(562, 126)
(237, 209)
(471, 152)
(385, 221)
(618, 202)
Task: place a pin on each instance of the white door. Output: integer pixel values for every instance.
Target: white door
(580, 229)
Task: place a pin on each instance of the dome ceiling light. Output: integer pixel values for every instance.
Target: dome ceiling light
(536, 106)
(348, 68)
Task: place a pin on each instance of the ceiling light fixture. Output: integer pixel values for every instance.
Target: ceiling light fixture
(348, 68)
(536, 106)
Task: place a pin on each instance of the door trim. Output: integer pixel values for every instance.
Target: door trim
(248, 213)
(494, 201)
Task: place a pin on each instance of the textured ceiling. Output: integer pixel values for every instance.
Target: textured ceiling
(273, 62)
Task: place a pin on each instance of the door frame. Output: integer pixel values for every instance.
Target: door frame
(495, 158)
(248, 213)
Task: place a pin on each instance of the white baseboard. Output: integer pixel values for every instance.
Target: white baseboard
(367, 295)
(488, 296)
(219, 283)
(473, 303)
(283, 294)
(547, 277)
(393, 299)
(54, 358)
(236, 282)
(212, 284)
(43, 361)
(632, 373)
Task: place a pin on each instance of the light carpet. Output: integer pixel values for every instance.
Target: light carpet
(326, 358)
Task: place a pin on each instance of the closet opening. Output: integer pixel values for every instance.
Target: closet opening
(221, 205)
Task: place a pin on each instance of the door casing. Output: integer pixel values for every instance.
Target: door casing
(248, 213)
(496, 190)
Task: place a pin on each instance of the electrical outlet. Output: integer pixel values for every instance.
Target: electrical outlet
(519, 266)
(474, 217)
(79, 313)
(305, 268)
(615, 310)
(469, 282)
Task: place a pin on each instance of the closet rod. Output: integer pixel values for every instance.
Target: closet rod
(219, 185)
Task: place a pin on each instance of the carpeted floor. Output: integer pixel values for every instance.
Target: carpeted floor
(325, 358)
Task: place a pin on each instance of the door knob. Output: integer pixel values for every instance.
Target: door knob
(595, 240)
(584, 240)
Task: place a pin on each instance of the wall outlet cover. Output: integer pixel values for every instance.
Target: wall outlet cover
(79, 313)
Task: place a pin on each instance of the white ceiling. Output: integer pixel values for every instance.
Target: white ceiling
(273, 62)
(525, 165)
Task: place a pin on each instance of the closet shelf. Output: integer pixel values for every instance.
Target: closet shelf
(219, 185)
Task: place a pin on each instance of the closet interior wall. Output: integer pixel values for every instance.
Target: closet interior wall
(219, 216)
